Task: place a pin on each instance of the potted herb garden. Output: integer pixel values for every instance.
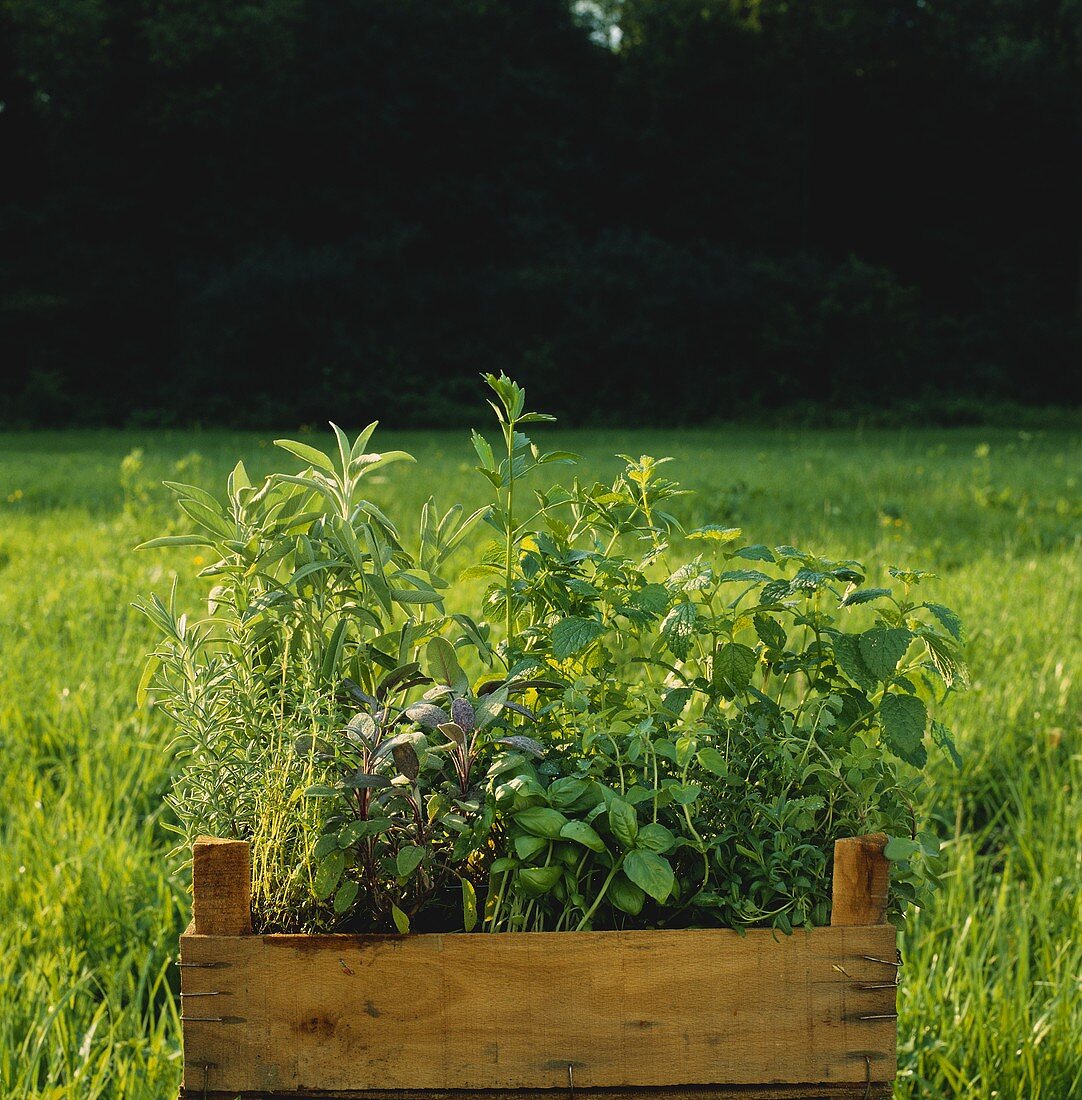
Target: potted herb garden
(616, 752)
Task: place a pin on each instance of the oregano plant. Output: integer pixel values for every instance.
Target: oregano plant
(637, 725)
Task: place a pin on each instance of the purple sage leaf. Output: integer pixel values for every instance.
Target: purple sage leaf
(405, 759)
(362, 726)
(453, 732)
(525, 744)
(462, 713)
(427, 714)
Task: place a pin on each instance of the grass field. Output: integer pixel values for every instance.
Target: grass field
(91, 901)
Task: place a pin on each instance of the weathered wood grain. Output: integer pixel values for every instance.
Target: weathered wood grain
(871, 1091)
(625, 1010)
(221, 887)
(861, 881)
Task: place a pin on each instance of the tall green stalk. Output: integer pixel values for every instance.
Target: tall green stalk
(509, 543)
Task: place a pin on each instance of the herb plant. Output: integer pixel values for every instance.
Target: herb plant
(638, 725)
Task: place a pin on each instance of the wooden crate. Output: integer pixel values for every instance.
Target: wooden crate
(688, 1015)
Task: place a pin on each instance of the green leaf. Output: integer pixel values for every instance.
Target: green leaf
(541, 821)
(359, 444)
(175, 540)
(626, 896)
(675, 700)
(210, 519)
(325, 845)
(375, 461)
(321, 790)
(539, 880)
(909, 576)
(564, 791)
(343, 445)
(149, 669)
(684, 794)
(678, 628)
(756, 575)
(333, 653)
(469, 905)
(401, 921)
(692, 576)
(900, 847)
(328, 873)
(411, 596)
(307, 454)
(310, 568)
(716, 533)
(573, 634)
(650, 872)
(366, 780)
(734, 665)
(949, 620)
(656, 838)
(865, 595)
(408, 860)
(349, 834)
(771, 632)
(882, 648)
(847, 654)
(583, 834)
(713, 761)
(193, 492)
(943, 737)
(947, 662)
(623, 822)
(651, 598)
(526, 847)
(443, 665)
(903, 718)
(755, 553)
(346, 895)
(484, 451)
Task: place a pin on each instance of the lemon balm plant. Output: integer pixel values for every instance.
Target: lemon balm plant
(637, 726)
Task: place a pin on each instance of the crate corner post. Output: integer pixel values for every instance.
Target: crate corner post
(861, 880)
(221, 887)
(860, 894)
(214, 982)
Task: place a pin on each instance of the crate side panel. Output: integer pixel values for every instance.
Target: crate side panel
(223, 1011)
(874, 1091)
(515, 1011)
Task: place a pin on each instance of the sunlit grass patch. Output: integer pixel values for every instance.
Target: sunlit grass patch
(92, 903)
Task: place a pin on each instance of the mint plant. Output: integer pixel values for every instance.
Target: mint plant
(638, 726)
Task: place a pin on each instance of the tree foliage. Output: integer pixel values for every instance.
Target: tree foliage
(253, 213)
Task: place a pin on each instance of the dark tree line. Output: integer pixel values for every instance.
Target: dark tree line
(649, 210)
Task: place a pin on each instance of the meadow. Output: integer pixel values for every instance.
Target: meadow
(93, 897)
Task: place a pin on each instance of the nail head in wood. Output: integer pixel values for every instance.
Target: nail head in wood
(861, 879)
(221, 887)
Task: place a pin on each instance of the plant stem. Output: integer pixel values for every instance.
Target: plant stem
(509, 545)
(597, 901)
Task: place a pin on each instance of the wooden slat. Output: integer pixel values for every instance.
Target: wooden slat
(870, 1091)
(501, 1012)
(861, 881)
